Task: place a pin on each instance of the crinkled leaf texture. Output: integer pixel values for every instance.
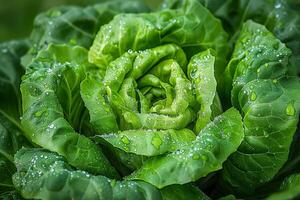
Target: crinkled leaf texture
(191, 27)
(53, 107)
(45, 175)
(279, 16)
(206, 154)
(145, 99)
(269, 102)
(144, 103)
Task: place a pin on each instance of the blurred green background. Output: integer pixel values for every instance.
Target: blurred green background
(16, 16)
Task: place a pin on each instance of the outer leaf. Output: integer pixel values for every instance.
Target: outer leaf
(228, 197)
(45, 175)
(257, 55)
(149, 142)
(213, 145)
(11, 138)
(11, 195)
(10, 77)
(75, 25)
(278, 16)
(270, 118)
(289, 189)
(183, 192)
(52, 105)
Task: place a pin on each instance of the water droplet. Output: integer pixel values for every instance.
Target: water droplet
(193, 73)
(73, 41)
(274, 81)
(56, 13)
(290, 110)
(266, 134)
(204, 158)
(49, 70)
(38, 113)
(156, 142)
(125, 139)
(277, 5)
(258, 70)
(253, 96)
(196, 157)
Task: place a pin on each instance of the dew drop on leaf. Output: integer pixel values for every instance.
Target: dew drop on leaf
(38, 113)
(203, 157)
(253, 96)
(290, 110)
(156, 142)
(193, 73)
(196, 157)
(125, 140)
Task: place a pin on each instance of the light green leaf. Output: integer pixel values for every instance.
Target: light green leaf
(191, 27)
(206, 154)
(148, 142)
(201, 73)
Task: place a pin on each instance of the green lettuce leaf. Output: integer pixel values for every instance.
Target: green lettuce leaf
(10, 77)
(191, 27)
(289, 189)
(144, 103)
(149, 142)
(206, 154)
(11, 139)
(74, 25)
(53, 107)
(201, 73)
(183, 192)
(269, 102)
(279, 16)
(45, 175)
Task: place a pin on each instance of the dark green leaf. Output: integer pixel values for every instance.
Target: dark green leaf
(45, 175)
